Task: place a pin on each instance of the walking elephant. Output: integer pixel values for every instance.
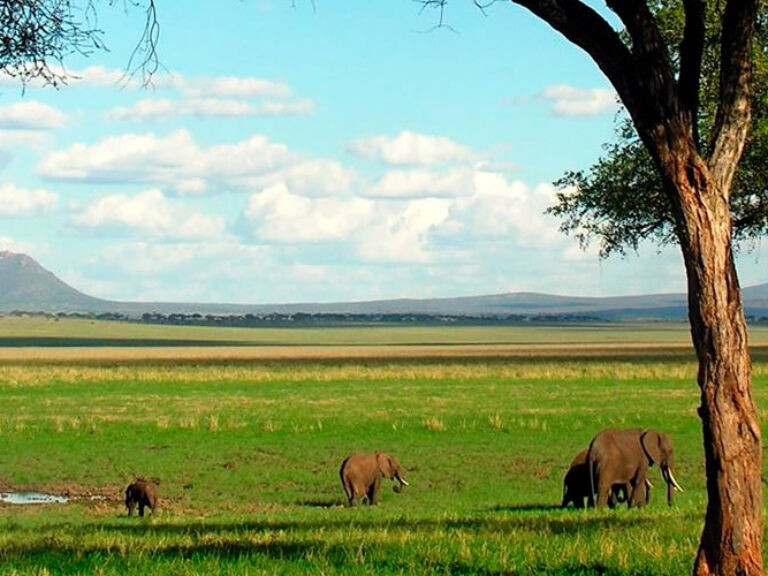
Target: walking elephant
(361, 476)
(623, 457)
(141, 493)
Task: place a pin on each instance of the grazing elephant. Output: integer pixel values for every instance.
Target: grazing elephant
(361, 476)
(576, 485)
(623, 457)
(141, 493)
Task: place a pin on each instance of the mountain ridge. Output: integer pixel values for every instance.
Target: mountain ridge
(25, 285)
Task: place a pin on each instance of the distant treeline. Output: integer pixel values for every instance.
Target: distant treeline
(309, 319)
(329, 319)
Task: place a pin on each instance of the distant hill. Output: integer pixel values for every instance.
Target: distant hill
(25, 285)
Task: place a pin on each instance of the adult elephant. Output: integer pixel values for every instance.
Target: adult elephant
(623, 457)
(576, 485)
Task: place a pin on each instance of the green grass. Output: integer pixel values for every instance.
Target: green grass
(248, 452)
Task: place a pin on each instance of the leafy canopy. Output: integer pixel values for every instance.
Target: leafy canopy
(619, 201)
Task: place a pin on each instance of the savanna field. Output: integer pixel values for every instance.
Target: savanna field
(245, 430)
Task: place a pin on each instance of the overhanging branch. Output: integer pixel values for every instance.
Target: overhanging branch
(691, 54)
(734, 112)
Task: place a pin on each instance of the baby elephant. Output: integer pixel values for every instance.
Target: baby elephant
(141, 493)
(361, 476)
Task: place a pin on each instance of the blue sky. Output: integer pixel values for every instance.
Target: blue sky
(342, 153)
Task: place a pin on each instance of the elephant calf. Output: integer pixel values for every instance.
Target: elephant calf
(141, 493)
(361, 476)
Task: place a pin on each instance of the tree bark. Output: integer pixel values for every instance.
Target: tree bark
(731, 542)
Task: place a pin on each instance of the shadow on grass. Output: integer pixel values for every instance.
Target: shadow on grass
(293, 557)
(328, 503)
(526, 508)
(296, 544)
(568, 522)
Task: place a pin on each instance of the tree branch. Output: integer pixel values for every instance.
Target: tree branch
(734, 111)
(652, 59)
(589, 31)
(691, 54)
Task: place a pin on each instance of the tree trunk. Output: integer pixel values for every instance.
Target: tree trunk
(731, 543)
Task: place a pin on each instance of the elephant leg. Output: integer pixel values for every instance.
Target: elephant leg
(639, 495)
(604, 493)
(131, 506)
(141, 509)
(373, 495)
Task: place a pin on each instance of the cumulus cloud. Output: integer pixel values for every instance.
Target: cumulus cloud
(18, 246)
(310, 178)
(149, 213)
(14, 140)
(403, 235)
(151, 258)
(152, 109)
(499, 208)
(233, 87)
(422, 184)
(177, 163)
(15, 201)
(278, 215)
(410, 148)
(31, 116)
(569, 101)
(174, 160)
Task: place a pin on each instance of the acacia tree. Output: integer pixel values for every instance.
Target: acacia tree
(661, 93)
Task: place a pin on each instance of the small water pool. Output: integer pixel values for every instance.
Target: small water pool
(32, 498)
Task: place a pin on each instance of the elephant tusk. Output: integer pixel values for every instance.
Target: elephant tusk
(403, 482)
(674, 482)
(649, 483)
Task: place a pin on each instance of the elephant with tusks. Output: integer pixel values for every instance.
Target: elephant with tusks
(623, 457)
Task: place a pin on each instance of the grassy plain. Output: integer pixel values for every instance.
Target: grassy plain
(246, 440)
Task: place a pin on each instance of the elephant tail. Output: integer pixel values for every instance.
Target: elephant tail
(591, 465)
(344, 484)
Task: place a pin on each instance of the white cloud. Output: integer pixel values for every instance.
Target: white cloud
(310, 178)
(303, 107)
(499, 208)
(569, 101)
(235, 87)
(154, 258)
(14, 140)
(281, 216)
(149, 213)
(409, 148)
(575, 253)
(31, 116)
(422, 184)
(151, 109)
(15, 201)
(403, 235)
(18, 246)
(174, 160)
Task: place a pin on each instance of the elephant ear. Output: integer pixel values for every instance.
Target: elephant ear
(385, 465)
(650, 440)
